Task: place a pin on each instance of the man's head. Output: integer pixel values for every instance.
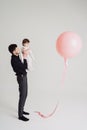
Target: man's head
(25, 42)
(13, 49)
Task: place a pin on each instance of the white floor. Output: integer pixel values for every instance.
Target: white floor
(71, 113)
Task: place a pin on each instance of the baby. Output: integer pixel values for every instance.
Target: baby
(27, 51)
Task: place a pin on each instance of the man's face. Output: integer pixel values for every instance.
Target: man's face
(16, 51)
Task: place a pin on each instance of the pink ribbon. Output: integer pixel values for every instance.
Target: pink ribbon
(46, 116)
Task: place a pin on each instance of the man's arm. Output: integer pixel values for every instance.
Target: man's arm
(18, 66)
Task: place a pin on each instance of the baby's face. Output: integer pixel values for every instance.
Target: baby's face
(26, 45)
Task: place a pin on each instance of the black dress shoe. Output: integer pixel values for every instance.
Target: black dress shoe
(25, 113)
(23, 118)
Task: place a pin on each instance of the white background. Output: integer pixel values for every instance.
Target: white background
(42, 21)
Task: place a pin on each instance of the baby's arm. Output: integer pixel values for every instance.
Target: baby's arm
(25, 51)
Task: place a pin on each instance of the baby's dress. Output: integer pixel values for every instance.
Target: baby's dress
(29, 58)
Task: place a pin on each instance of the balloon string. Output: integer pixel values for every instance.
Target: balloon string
(62, 83)
(64, 72)
(46, 116)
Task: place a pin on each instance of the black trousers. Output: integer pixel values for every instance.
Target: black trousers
(23, 91)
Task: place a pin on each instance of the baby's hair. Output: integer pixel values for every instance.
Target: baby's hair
(25, 41)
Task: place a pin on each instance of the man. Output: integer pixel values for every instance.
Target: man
(20, 69)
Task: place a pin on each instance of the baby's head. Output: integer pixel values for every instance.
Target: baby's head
(25, 42)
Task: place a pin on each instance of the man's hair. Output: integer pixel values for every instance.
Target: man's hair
(25, 41)
(11, 48)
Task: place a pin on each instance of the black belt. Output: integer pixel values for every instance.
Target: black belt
(21, 75)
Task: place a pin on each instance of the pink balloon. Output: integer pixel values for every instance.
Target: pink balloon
(68, 44)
